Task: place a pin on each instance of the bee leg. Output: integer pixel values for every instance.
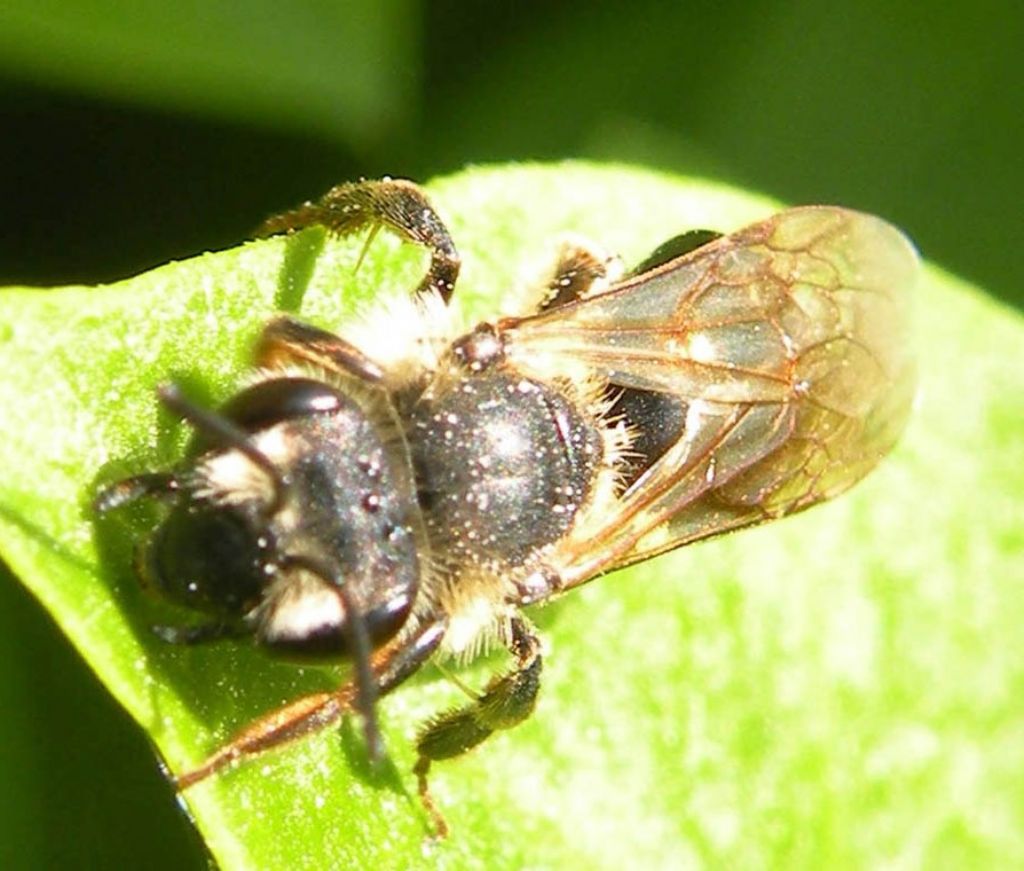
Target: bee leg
(317, 711)
(285, 340)
(128, 490)
(399, 205)
(506, 701)
(276, 630)
(582, 269)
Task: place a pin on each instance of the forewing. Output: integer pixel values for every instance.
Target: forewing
(789, 343)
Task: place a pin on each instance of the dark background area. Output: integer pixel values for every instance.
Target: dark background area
(130, 135)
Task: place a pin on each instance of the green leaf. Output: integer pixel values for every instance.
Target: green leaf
(312, 66)
(838, 689)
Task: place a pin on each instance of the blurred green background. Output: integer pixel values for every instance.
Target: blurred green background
(135, 132)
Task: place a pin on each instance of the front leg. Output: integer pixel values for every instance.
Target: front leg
(286, 341)
(399, 205)
(506, 701)
(391, 667)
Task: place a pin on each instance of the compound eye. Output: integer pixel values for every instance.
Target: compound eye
(387, 618)
(208, 558)
(267, 403)
(304, 618)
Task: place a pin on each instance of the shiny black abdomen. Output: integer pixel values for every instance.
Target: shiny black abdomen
(503, 464)
(657, 421)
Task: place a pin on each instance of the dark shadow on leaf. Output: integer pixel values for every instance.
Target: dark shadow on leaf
(353, 744)
(300, 256)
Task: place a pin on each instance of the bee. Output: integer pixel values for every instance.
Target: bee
(394, 494)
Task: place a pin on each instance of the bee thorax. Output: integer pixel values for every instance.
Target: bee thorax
(503, 465)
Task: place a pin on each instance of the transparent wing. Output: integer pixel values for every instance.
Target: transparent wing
(788, 341)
